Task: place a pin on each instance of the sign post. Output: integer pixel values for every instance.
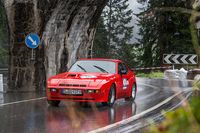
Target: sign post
(32, 41)
(1, 83)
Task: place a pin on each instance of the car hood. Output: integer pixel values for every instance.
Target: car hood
(80, 79)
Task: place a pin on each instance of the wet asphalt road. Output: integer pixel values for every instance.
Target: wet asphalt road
(35, 116)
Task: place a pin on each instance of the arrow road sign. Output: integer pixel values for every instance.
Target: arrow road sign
(180, 59)
(183, 59)
(32, 40)
(175, 59)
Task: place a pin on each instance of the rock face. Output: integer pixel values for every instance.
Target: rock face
(66, 28)
(196, 5)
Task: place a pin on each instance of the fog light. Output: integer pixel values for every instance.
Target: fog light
(97, 91)
(92, 91)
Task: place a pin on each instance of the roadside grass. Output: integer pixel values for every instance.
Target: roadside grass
(151, 75)
(185, 119)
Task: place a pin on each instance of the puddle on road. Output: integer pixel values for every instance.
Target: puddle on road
(75, 118)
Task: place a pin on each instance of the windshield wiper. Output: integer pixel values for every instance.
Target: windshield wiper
(82, 68)
(101, 69)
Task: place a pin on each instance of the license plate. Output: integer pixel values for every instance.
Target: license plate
(71, 92)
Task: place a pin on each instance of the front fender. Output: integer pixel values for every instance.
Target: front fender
(105, 88)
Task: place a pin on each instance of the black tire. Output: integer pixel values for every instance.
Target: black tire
(104, 103)
(54, 103)
(111, 97)
(84, 104)
(133, 94)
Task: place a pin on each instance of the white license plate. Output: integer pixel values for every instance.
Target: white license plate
(71, 92)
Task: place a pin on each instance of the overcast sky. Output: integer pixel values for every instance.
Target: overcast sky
(134, 5)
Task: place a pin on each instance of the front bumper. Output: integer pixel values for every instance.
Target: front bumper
(101, 95)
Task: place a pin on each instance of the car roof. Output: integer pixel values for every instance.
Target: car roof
(101, 59)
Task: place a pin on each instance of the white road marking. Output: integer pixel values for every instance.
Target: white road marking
(135, 117)
(151, 86)
(22, 101)
(139, 125)
(181, 102)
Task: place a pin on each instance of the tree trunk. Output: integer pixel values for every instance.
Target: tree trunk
(66, 28)
(193, 19)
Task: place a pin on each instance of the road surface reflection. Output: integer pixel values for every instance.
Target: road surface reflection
(37, 117)
(72, 118)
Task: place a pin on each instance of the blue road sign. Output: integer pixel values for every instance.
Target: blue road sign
(32, 40)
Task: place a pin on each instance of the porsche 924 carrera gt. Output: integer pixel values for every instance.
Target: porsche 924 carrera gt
(93, 80)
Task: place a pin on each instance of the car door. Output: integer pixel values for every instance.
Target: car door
(124, 76)
(129, 83)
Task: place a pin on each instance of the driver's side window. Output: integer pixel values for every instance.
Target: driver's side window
(122, 67)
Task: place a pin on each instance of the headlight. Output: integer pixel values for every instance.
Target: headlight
(88, 76)
(54, 90)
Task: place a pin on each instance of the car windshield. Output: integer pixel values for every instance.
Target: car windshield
(94, 66)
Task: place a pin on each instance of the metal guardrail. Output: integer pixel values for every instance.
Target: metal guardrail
(148, 69)
(3, 69)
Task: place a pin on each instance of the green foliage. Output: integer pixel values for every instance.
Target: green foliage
(164, 32)
(117, 20)
(183, 120)
(129, 54)
(195, 104)
(114, 32)
(101, 46)
(151, 75)
(119, 28)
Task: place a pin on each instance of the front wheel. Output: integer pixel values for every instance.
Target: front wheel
(111, 97)
(84, 104)
(133, 94)
(54, 103)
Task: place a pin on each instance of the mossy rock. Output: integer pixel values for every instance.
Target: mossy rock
(196, 93)
(196, 5)
(196, 88)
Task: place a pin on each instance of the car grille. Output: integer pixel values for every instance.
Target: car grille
(73, 85)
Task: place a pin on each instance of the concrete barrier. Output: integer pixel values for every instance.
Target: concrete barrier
(176, 74)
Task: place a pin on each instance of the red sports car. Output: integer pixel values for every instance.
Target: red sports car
(93, 80)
